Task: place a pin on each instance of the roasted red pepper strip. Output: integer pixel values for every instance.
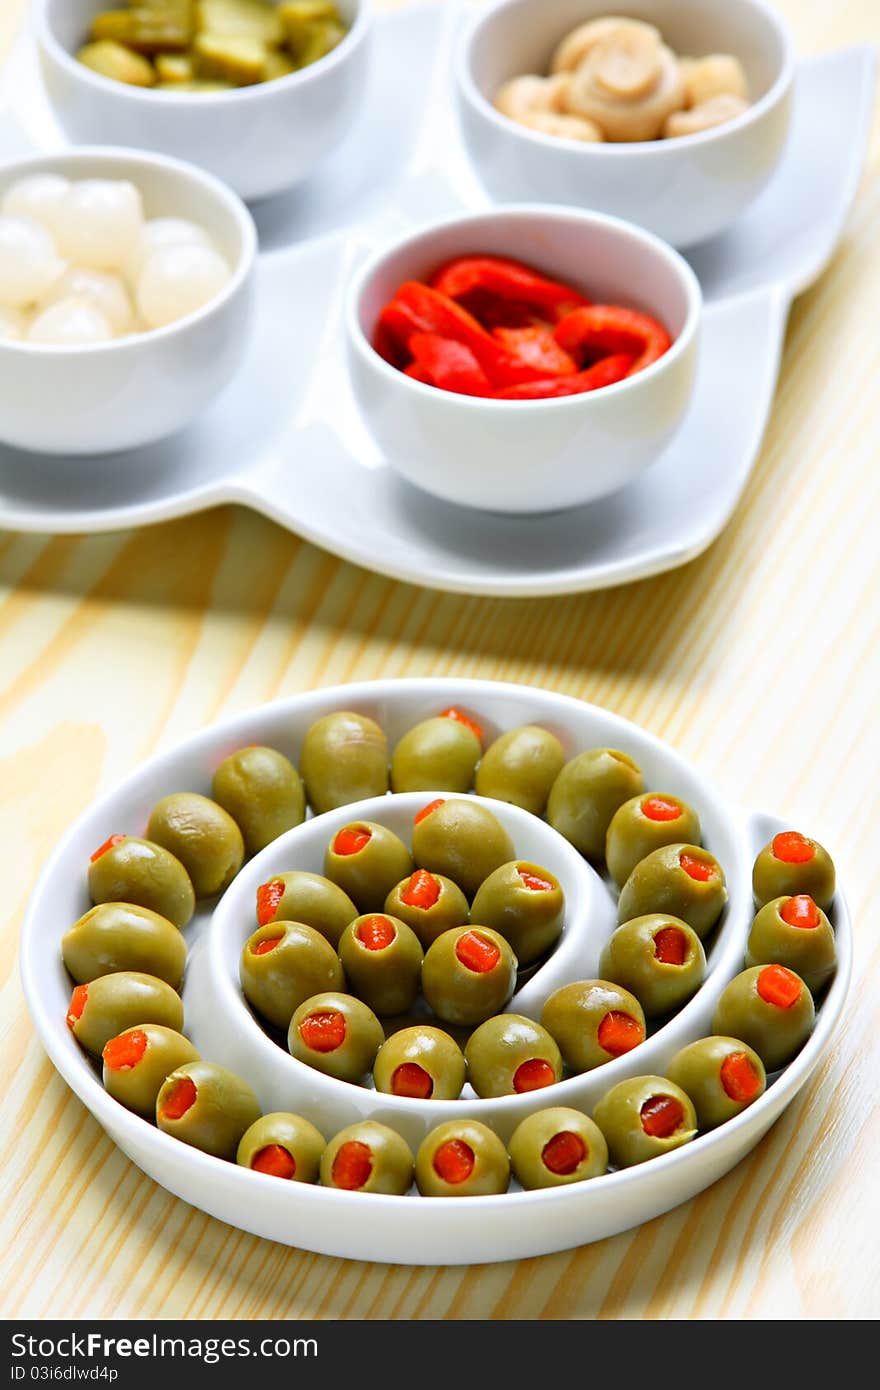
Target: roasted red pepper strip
(506, 279)
(537, 347)
(603, 373)
(449, 364)
(600, 329)
(418, 309)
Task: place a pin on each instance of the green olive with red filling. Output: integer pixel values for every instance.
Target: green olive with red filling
(555, 1147)
(366, 860)
(587, 793)
(468, 974)
(298, 896)
(123, 936)
(520, 767)
(793, 864)
(107, 1006)
(770, 1008)
(643, 1118)
(525, 904)
(462, 840)
(130, 870)
(205, 1105)
(644, 824)
(283, 964)
(282, 1145)
(509, 1055)
(438, 755)
(592, 1022)
(721, 1075)
(794, 931)
(429, 903)
(137, 1061)
(382, 960)
(462, 1158)
(658, 958)
(336, 1034)
(422, 1063)
(368, 1157)
(680, 880)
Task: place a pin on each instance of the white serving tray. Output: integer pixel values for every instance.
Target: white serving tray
(286, 439)
(411, 1230)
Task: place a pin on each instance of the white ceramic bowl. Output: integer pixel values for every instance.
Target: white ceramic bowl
(260, 140)
(530, 456)
(133, 391)
(685, 190)
(408, 1229)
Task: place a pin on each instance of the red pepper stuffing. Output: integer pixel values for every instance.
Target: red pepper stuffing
(533, 1075)
(351, 839)
(461, 718)
(740, 1077)
(477, 952)
(108, 844)
(269, 895)
(422, 890)
(563, 1153)
(275, 1160)
(800, 911)
(180, 1098)
(661, 1116)
(323, 1032)
(454, 1161)
(601, 329)
(534, 883)
(660, 808)
(779, 986)
(426, 810)
(700, 870)
(376, 933)
(124, 1052)
(670, 946)
(620, 1032)
(792, 848)
(409, 1079)
(78, 1001)
(268, 943)
(352, 1166)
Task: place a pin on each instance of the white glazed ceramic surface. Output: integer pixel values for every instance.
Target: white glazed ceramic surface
(130, 392)
(685, 190)
(260, 140)
(530, 456)
(286, 438)
(409, 1229)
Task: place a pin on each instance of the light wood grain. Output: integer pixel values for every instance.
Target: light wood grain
(759, 661)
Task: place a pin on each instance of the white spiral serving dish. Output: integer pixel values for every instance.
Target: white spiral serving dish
(410, 1229)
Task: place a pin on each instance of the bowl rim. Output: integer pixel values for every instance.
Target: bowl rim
(507, 214)
(199, 178)
(55, 50)
(610, 149)
(164, 1148)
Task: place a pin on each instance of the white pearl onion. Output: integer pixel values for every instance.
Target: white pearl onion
(102, 222)
(104, 291)
(178, 280)
(29, 262)
(70, 323)
(39, 197)
(163, 231)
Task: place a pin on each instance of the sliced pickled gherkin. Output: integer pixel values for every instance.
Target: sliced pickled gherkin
(112, 59)
(236, 58)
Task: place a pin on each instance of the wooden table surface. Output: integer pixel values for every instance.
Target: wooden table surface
(758, 661)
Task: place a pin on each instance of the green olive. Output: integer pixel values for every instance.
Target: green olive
(202, 836)
(586, 795)
(206, 1106)
(263, 792)
(298, 896)
(461, 840)
(420, 1062)
(680, 880)
(792, 864)
(510, 1054)
(366, 860)
(137, 871)
(794, 932)
(283, 1145)
(593, 1021)
(646, 823)
(368, 1157)
(336, 1034)
(383, 962)
(462, 1158)
(468, 974)
(123, 936)
(282, 965)
(525, 904)
(721, 1075)
(643, 1118)
(109, 1005)
(770, 1008)
(344, 758)
(137, 1062)
(557, 1146)
(658, 958)
(520, 767)
(429, 903)
(438, 755)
